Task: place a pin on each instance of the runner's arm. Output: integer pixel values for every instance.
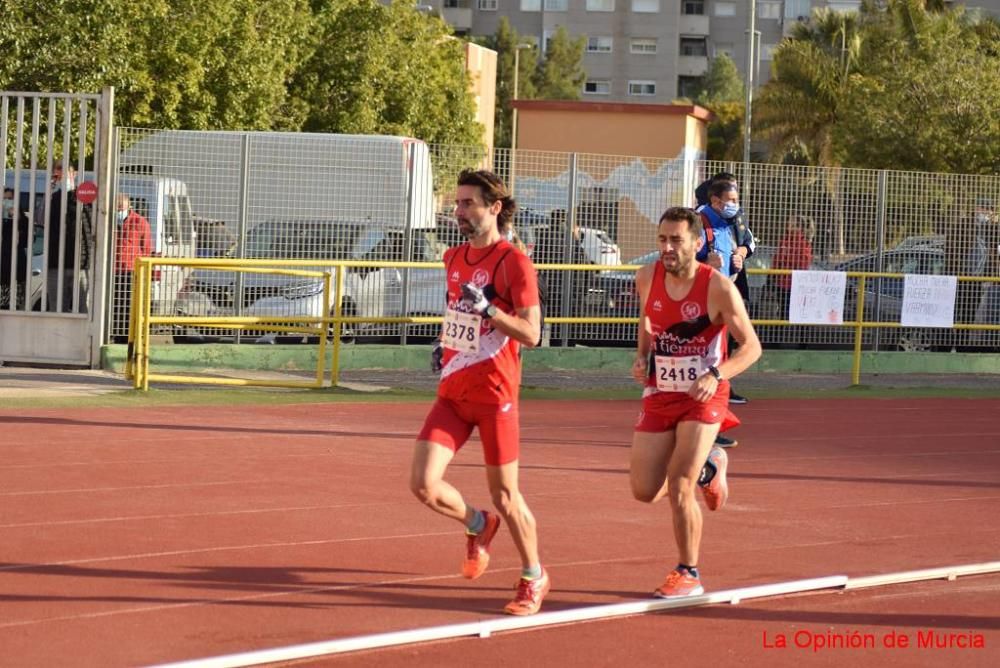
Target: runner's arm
(525, 326)
(640, 366)
(729, 305)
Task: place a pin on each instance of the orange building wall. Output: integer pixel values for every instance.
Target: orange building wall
(615, 129)
(481, 64)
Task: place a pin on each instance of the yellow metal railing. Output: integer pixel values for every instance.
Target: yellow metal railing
(141, 318)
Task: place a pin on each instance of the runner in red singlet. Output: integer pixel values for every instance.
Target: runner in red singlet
(493, 309)
(686, 310)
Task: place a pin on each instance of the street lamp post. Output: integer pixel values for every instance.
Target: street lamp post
(749, 79)
(513, 113)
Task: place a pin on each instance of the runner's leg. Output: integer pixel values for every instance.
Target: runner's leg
(694, 441)
(648, 464)
(507, 499)
(430, 461)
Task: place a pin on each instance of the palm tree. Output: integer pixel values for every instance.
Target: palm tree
(797, 109)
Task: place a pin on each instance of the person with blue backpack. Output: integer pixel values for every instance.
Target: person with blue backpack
(727, 243)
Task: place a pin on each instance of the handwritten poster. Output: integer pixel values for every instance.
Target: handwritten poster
(928, 301)
(817, 297)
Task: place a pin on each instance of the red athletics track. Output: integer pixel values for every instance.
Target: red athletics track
(137, 536)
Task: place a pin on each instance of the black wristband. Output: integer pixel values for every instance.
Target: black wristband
(715, 372)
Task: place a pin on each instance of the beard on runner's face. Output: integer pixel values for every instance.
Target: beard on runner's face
(470, 228)
(674, 262)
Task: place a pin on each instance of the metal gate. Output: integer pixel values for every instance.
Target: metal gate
(55, 151)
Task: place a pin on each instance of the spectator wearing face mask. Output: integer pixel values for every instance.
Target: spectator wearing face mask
(132, 240)
(67, 241)
(727, 242)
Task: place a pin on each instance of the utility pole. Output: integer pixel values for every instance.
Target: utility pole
(749, 78)
(513, 114)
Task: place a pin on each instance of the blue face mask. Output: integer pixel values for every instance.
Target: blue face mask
(730, 209)
(8, 208)
(122, 215)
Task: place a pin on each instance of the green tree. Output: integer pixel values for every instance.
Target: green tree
(204, 64)
(560, 76)
(722, 93)
(221, 64)
(505, 42)
(722, 83)
(798, 109)
(379, 69)
(725, 131)
(921, 103)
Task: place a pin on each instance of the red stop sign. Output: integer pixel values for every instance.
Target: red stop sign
(86, 192)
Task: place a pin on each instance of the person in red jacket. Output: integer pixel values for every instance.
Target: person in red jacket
(794, 252)
(132, 239)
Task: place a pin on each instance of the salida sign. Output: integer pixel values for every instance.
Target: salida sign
(86, 192)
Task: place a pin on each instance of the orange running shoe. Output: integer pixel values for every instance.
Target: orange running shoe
(717, 491)
(477, 551)
(679, 583)
(530, 594)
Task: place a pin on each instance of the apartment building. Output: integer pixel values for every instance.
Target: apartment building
(649, 51)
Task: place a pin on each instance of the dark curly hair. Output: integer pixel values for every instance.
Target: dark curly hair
(493, 190)
(683, 214)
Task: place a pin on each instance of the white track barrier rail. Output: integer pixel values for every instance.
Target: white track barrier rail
(486, 628)
(943, 573)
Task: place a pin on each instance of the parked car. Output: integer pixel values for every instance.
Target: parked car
(884, 296)
(35, 286)
(368, 291)
(616, 296)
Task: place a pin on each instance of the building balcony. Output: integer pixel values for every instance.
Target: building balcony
(692, 24)
(460, 18)
(692, 66)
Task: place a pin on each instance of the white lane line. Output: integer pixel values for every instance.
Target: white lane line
(177, 516)
(235, 599)
(88, 490)
(223, 548)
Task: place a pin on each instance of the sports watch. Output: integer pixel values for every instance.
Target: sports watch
(715, 372)
(490, 311)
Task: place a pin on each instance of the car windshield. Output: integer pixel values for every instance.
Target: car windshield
(381, 246)
(302, 240)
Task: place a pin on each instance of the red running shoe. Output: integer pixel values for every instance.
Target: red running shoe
(679, 583)
(717, 491)
(530, 594)
(477, 551)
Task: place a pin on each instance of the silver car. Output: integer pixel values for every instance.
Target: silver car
(368, 291)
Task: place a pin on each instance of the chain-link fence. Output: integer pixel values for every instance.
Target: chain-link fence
(257, 195)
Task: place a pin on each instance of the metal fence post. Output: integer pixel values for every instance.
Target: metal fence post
(881, 193)
(101, 291)
(407, 241)
(568, 241)
(242, 212)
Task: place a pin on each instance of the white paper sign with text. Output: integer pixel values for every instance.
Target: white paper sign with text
(817, 297)
(928, 301)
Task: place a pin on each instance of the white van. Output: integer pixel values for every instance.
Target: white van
(301, 196)
(293, 176)
(164, 202)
